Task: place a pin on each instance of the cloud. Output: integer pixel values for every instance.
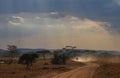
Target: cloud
(14, 23)
(77, 24)
(19, 18)
(37, 22)
(54, 13)
(84, 23)
(102, 10)
(57, 32)
(117, 2)
(16, 20)
(37, 17)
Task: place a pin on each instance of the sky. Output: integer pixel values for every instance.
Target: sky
(86, 24)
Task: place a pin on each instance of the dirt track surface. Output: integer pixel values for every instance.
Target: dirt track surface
(108, 71)
(86, 71)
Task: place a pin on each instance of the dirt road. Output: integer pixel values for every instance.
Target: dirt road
(86, 71)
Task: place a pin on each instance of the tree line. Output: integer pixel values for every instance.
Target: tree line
(29, 58)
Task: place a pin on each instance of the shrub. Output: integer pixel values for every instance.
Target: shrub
(28, 59)
(59, 59)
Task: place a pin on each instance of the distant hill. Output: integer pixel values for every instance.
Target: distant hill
(76, 52)
(20, 51)
(89, 53)
(29, 50)
(2, 52)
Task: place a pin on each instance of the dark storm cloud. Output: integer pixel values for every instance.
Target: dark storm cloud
(103, 10)
(78, 7)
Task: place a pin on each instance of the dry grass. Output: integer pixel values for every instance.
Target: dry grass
(39, 69)
(108, 71)
(19, 71)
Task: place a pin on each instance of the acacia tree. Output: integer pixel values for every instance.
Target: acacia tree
(68, 49)
(12, 49)
(28, 59)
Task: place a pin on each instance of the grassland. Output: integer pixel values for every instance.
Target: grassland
(38, 69)
(104, 68)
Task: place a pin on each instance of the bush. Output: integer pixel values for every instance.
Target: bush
(27, 59)
(59, 59)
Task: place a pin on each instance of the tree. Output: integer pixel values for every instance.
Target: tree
(12, 49)
(28, 59)
(70, 47)
(59, 59)
(44, 53)
(68, 50)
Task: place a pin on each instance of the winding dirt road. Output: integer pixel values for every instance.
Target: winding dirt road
(86, 71)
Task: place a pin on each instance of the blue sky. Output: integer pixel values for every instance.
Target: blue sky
(90, 24)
